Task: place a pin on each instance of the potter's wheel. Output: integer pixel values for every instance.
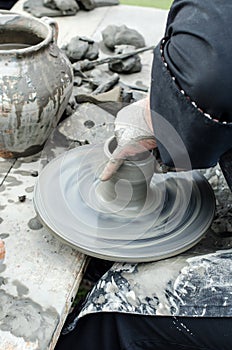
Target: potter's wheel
(178, 210)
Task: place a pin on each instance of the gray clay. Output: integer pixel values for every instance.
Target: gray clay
(80, 48)
(98, 76)
(65, 6)
(107, 85)
(119, 219)
(37, 9)
(101, 81)
(91, 4)
(99, 3)
(114, 35)
(76, 49)
(57, 8)
(87, 4)
(127, 65)
(92, 52)
(34, 224)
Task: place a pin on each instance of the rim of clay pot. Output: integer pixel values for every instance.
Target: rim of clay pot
(136, 169)
(140, 159)
(45, 38)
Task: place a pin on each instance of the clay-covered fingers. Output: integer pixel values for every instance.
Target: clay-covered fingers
(111, 167)
(134, 134)
(122, 153)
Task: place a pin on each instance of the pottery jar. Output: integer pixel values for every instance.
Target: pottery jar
(36, 80)
(129, 187)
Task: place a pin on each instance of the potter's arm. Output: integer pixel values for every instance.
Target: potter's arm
(134, 134)
(190, 98)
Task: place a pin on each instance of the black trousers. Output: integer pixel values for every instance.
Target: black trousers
(114, 331)
(6, 5)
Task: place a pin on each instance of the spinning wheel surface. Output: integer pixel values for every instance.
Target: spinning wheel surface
(178, 210)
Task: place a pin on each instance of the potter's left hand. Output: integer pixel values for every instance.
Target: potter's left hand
(134, 134)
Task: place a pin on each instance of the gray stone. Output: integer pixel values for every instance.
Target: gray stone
(65, 6)
(114, 35)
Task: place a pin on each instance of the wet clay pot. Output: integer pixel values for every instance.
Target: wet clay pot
(36, 80)
(128, 190)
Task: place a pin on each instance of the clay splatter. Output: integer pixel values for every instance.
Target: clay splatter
(24, 318)
(34, 224)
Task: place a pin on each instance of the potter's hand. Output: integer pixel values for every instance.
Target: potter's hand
(134, 134)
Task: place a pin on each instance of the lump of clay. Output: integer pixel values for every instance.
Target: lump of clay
(91, 4)
(114, 35)
(99, 3)
(65, 6)
(102, 81)
(92, 52)
(80, 48)
(57, 8)
(87, 4)
(128, 65)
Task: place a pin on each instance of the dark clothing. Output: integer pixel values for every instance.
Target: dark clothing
(199, 52)
(192, 84)
(7, 5)
(113, 331)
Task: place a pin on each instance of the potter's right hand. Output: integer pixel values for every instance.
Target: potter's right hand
(134, 134)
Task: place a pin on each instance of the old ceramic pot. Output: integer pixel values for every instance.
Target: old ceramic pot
(36, 80)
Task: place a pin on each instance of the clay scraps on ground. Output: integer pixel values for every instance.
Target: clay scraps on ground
(98, 80)
(57, 8)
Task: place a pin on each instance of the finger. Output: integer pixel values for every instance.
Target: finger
(135, 147)
(148, 144)
(111, 167)
(122, 153)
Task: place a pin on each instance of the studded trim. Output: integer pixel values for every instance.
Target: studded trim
(207, 115)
